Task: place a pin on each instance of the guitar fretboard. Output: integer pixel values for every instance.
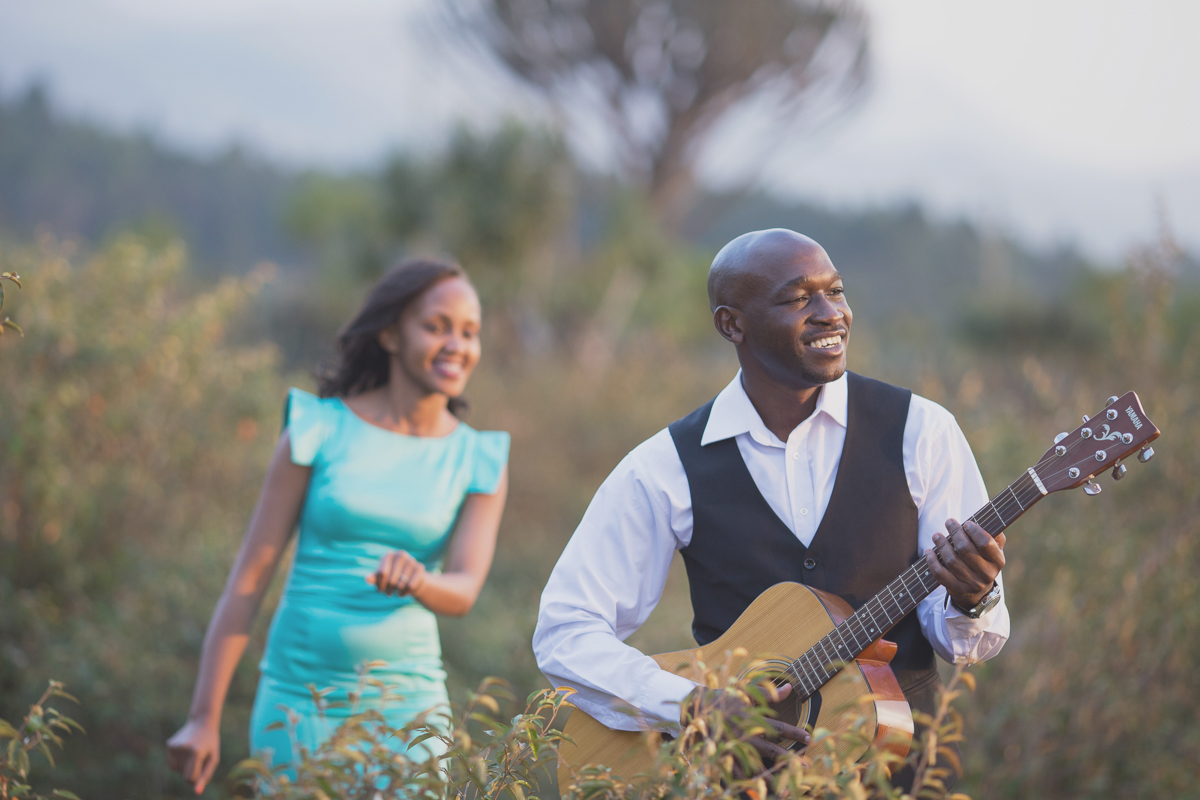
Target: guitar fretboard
(879, 614)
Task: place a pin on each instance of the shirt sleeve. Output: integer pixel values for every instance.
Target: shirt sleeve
(606, 583)
(306, 420)
(946, 483)
(491, 456)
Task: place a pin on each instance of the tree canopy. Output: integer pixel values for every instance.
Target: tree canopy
(655, 76)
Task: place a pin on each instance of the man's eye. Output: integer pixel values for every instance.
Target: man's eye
(838, 292)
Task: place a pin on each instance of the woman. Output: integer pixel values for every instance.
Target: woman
(384, 482)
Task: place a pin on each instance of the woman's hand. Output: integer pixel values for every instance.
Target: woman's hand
(398, 573)
(194, 752)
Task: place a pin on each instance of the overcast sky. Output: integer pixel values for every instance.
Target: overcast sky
(1061, 120)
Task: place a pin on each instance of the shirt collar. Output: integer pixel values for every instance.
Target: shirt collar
(733, 414)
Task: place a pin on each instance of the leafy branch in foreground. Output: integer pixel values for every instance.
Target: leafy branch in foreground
(42, 727)
(474, 755)
(7, 323)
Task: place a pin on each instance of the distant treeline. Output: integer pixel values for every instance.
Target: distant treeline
(76, 179)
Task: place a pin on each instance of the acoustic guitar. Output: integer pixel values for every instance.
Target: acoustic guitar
(833, 655)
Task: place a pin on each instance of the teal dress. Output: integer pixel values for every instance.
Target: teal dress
(372, 491)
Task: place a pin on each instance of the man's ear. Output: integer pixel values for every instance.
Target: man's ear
(730, 323)
(389, 339)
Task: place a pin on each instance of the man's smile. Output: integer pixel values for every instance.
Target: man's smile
(828, 343)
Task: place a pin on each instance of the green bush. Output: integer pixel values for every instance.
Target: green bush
(133, 437)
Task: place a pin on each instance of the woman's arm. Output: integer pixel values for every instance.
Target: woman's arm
(195, 749)
(472, 545)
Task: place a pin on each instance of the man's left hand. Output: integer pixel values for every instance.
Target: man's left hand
(966, 562)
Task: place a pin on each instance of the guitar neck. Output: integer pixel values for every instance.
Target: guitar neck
(879, 614)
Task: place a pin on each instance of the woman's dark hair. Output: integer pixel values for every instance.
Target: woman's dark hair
(361, 363)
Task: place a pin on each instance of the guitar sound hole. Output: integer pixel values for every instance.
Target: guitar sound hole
(795, 709)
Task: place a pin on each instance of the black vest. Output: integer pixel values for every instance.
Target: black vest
(868, 536)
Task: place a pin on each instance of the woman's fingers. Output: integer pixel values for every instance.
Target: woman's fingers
(400, 569)
(398, 573)
(415, 579)
(206, 771)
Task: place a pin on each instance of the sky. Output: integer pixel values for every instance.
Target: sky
(1061, 121)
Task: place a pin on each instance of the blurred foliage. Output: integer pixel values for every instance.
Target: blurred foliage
(7, 324)
(478, 755)
(132, 440)
(43, 726)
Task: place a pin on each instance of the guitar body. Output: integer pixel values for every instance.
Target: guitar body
(787, 621)
(780, 625)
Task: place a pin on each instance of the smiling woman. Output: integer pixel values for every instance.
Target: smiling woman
(390, 490)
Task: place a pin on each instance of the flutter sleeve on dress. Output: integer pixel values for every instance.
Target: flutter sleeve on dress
(306, 419)
(491, 456)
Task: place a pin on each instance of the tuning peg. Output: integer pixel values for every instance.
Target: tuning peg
(1091, 489)
(1060, 437)
(1111, 400)
(1119, 472)
(1146, 454)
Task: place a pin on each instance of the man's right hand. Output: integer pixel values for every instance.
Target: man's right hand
(733, 704)
(194, 752)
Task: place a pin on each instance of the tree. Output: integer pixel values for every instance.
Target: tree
(656, 76)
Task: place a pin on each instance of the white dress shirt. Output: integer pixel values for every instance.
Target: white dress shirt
(611, 574)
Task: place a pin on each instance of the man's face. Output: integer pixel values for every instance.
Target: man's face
(797, 321)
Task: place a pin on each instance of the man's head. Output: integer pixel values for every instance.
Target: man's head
(776, 295)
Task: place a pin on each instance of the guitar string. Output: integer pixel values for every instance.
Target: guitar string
(1023, 484)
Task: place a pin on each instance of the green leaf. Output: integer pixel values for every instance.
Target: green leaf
(66, 794)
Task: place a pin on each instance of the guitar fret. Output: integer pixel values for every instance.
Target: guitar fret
(875, 617)
(1015, 498)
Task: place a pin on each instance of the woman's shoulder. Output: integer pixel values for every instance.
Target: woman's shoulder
(309, 421)
(490, 451)
(489, 441)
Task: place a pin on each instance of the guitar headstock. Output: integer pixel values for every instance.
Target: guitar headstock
(1104, 440)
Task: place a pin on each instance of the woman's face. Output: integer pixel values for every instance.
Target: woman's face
(435, 343)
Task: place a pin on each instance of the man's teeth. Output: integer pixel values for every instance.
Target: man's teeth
(828, 341)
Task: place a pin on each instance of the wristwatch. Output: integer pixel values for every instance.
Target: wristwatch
(985, 605)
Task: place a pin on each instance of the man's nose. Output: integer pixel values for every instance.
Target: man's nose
(824, 311)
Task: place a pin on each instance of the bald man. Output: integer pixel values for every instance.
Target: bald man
(797, 471)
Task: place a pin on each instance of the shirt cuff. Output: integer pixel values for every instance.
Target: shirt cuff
(662, 696)
(960, 626)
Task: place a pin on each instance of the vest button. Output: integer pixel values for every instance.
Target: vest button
(809, 563)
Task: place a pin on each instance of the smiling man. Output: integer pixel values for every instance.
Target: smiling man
(797, 471)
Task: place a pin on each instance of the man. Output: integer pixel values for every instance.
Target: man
(796, 471)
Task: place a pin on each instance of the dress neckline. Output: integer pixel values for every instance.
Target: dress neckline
(346, 407)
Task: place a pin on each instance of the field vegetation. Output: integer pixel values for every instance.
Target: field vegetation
(138, 412)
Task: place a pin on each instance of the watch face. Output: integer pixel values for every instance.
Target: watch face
(988, 602)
